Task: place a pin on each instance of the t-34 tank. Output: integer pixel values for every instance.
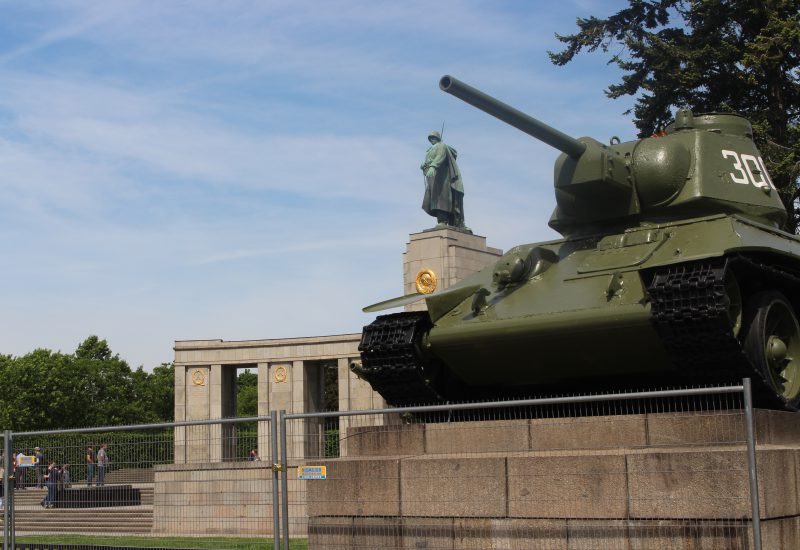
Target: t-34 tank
(672, 270)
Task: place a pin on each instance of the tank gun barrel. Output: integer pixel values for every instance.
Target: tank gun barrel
(512, 116)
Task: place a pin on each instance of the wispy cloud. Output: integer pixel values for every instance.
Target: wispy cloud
(177, 169)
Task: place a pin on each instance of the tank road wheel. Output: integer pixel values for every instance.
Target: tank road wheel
(772, 343)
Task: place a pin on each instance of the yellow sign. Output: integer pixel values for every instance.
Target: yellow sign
(25, 460)
(280, 374)
(199, 377)
(426, 281)
(312, 472)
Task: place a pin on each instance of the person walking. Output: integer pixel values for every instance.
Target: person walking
(102, 462)
(90, 462)
(40, 466)
(51, 482)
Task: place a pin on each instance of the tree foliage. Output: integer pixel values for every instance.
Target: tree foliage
(247, 393)
(90, 387)
(712, 56)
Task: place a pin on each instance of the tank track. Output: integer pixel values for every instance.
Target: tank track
(392, 362)
(689, 308)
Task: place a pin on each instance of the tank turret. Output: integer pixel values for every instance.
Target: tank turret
(701, 165)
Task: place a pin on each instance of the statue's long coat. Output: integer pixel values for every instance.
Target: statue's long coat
(439, 189)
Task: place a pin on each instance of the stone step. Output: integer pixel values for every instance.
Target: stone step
(145, 500)
(82, 530)
(107, 516)
(143, 489)
(112, 522)
(31, 497)
(122, 525)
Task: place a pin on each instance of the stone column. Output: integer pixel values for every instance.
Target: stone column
(180, 413)
(286, 379)
(215, 411)
(264, 439)
(197, 385)
(451, 255)
(343, 380)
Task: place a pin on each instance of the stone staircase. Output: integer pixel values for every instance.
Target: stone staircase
(32, 518)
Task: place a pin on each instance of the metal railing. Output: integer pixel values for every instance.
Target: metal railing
(526, 473)
(633, 466)
(173, 478)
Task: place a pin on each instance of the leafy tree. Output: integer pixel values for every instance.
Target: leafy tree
(91, 387)
(710, 55)
(41, 390)
(110, 387)
(247, 393)
(154, 393)
(160, 393)
(93, 348)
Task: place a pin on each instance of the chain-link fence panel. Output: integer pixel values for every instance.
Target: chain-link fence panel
(200, 484)
(636, 471)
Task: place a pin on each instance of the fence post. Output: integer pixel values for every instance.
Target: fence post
(751, 463)
(284, 481)
(276, 470)
(8, 492)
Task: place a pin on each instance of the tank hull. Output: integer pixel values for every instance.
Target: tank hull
(585, 316)
(589, 314)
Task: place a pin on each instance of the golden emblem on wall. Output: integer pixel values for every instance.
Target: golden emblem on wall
(426, 281)
(198, 377)
(280, 374)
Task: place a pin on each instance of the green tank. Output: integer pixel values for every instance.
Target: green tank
(672, 270)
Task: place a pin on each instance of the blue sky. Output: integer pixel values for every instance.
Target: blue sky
(241, 170)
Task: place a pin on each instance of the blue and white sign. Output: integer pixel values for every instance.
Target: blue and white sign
(312, 472)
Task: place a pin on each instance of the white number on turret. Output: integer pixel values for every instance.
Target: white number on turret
(749, 169)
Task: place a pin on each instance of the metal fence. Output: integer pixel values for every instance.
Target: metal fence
(134, 486)
(638, 470)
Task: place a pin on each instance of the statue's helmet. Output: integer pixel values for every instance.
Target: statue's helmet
(436, 135)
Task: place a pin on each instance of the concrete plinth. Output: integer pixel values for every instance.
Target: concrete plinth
(648, 481)
(213, 498)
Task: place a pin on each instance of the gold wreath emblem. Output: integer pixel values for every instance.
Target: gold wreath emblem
(426, 281)
(280, 374)
(199, 377)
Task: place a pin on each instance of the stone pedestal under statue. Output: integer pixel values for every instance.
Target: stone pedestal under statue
(439, 258)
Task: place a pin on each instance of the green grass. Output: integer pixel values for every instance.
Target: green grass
(232, 543)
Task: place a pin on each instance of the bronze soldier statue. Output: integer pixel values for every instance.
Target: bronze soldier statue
(444, 190)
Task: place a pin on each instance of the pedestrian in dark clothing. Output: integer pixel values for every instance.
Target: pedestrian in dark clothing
(40, 466)
(51, 482)
(90, 461)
